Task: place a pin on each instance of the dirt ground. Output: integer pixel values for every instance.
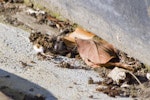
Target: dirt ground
(59, 74)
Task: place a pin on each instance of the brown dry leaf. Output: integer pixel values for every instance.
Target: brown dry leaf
(98, 53)
(79, 33)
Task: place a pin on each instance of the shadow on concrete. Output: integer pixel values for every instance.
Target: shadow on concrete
(22, 89)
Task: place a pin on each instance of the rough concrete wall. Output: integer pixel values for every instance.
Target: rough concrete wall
(124, 23)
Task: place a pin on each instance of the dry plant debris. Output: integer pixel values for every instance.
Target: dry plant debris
(123, 85)
(79, 33)
(51, 44)
(71, 42)
(95, 52)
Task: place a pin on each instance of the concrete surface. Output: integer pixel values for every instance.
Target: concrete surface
(124, 23)
(44, 77)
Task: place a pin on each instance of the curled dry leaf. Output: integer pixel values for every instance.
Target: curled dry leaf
(98, 53)
(94, 53)
(79, 33)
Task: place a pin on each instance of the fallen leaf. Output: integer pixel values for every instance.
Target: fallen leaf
(95, 53)
(79, 33)
(98, 53)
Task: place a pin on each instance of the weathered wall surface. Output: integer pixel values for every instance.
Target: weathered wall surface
(124, 23)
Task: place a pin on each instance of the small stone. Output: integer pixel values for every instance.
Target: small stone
(148, 76)
(117, 74)
(90, 81)
(31, 89)
(91, 96)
